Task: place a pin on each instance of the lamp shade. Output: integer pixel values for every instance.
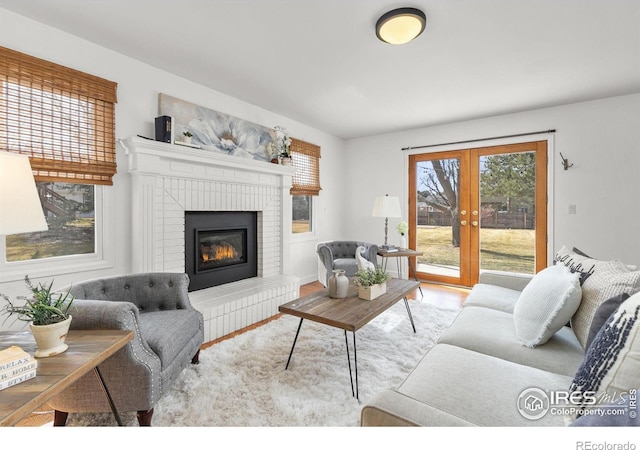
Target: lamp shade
(20, 207)
(386, 207)
(401, 25)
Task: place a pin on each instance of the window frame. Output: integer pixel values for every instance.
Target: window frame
(306, 183)
(307, 235)
(52, 83)
(103, 258)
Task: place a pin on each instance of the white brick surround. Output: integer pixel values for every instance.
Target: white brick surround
(167, 180)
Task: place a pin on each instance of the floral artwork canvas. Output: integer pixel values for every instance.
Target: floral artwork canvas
(215, 131)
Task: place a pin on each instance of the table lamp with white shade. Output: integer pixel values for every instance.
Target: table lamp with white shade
(386, 207)
(20, 207)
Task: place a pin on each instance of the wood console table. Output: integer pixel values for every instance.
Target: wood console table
(399, 253)
(87, 349)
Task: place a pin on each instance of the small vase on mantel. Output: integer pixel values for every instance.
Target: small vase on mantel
(338, 284)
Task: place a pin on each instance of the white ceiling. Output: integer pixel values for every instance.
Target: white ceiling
(318, 61)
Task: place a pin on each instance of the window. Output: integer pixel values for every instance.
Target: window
(64, 120)
(306, 184)
(302, 214)
(70, 213)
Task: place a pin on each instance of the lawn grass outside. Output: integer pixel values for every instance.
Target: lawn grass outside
(507, 250)
(74, 238)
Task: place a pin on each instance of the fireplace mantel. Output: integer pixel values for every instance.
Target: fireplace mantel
(167, 180)
(157, 158)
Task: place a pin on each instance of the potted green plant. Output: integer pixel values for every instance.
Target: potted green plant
(371, 283)
(187, 137)
(47, 314)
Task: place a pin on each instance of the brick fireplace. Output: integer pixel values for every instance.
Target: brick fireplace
(169, 181)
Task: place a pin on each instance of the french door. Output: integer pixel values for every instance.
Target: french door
(479, 209)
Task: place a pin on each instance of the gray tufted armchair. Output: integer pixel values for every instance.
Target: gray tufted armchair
(342, 255)
(168, 333)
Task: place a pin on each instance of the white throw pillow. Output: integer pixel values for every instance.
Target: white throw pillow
(546, 304)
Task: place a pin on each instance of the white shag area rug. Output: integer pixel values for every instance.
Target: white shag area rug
(243, 382)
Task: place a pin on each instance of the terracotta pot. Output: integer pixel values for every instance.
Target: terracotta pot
(50, 338)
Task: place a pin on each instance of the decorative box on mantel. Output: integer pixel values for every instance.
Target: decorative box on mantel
(167, 180)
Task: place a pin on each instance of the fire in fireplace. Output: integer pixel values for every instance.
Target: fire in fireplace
(220, 247)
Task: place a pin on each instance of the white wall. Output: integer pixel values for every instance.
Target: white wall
(138, 88)
(601, 139)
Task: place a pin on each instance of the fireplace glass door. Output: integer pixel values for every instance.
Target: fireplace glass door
(220, 248)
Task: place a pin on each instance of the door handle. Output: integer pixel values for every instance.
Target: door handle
(474, 223)
(463, 222)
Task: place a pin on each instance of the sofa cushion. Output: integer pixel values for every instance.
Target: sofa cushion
(493, 333)
(611, 367)
(546, 304)
(493, 297)
(154, 326)
(603, 312)
(476, 388)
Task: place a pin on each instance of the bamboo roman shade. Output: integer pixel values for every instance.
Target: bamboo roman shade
(306, 159)
(63, 119)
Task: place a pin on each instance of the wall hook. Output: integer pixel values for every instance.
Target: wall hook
(565, 162)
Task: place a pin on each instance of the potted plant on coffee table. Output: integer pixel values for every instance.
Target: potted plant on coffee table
(371, 283)
(48, 314)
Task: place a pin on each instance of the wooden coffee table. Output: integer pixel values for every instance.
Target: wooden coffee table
(349, 314)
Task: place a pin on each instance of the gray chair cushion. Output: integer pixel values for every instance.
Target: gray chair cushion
(169, 332)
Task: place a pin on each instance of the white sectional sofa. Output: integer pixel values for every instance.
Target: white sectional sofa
(486, 370)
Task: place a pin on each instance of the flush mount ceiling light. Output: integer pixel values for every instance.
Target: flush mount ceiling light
(401, 25)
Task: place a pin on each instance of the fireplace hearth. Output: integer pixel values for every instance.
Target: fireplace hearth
(220, 247)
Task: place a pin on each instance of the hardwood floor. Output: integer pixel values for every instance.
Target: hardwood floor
(433, 293)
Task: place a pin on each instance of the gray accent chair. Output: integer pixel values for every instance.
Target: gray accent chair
(342, 255)
(168, 333)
